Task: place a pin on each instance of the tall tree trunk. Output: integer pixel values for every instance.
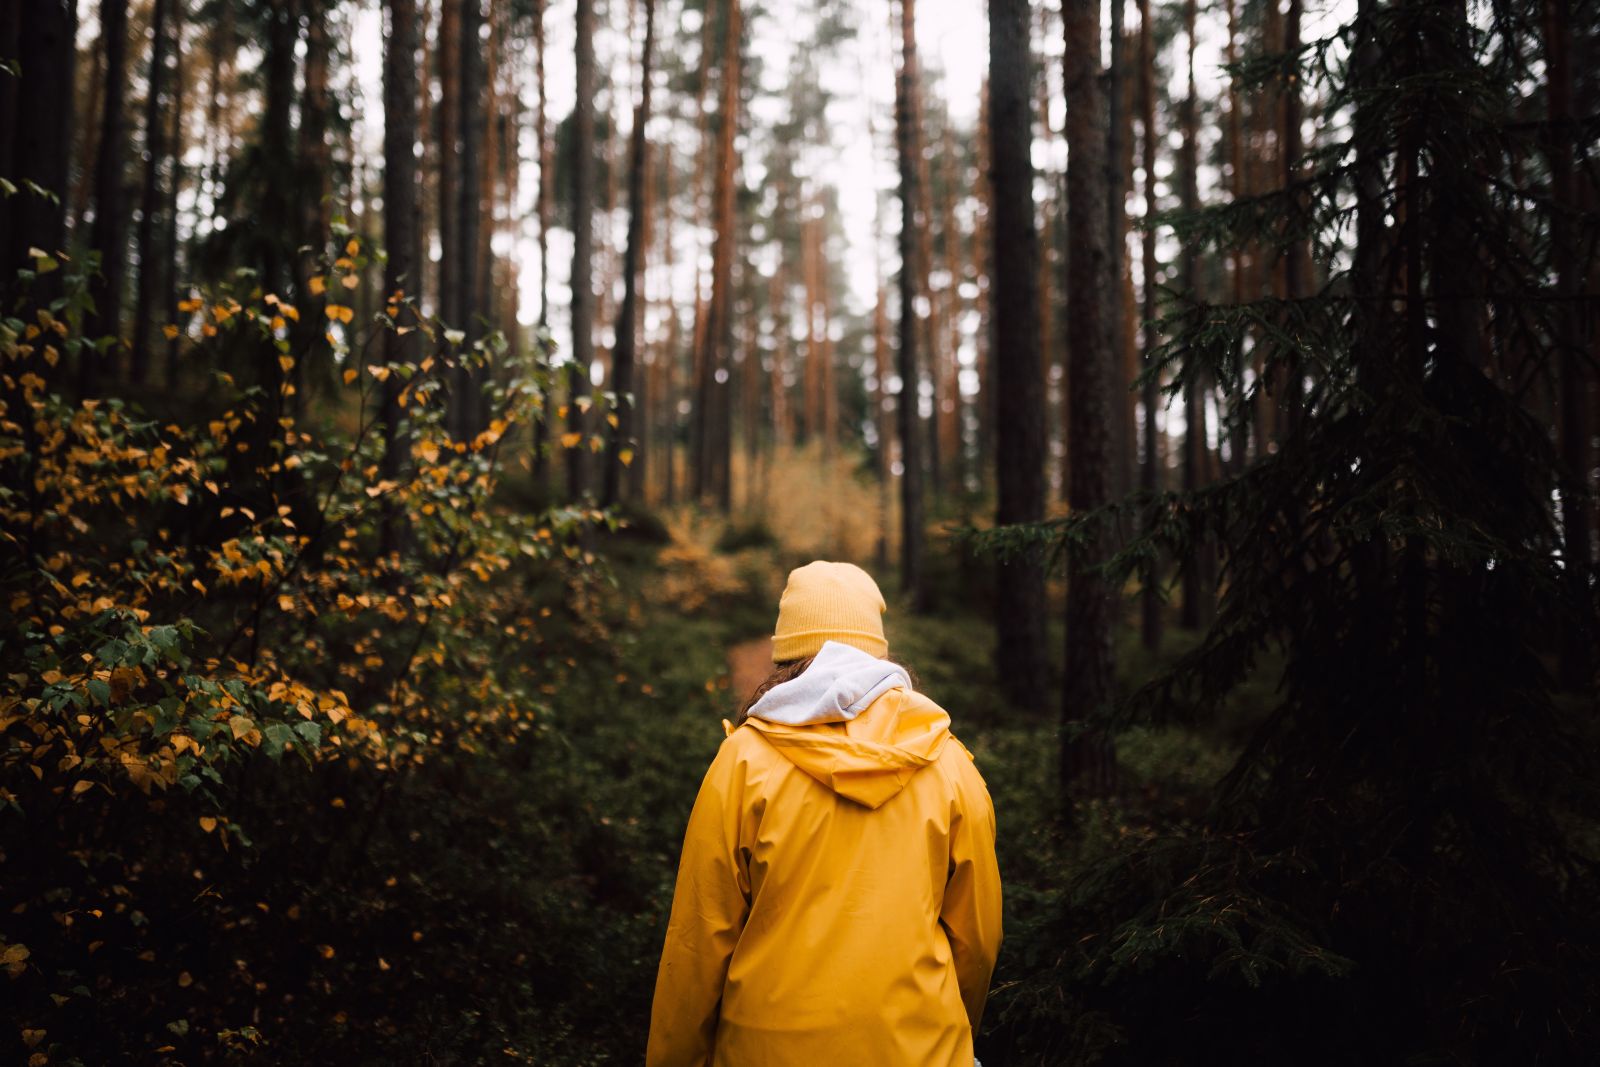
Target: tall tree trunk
(1294, 256)
(1116, 252)
(1088, 758)
(313, 167)
(1020, 658)
(401, 236)
(471, 121)
(1577, 653)
(582, 246)
(542, 141)
(1198, 580)
(156, 157)
(912, 534)
(447, 57)
(109, 238)
(168, 293)
(622, 358)
(711, 460)
(1150, 480)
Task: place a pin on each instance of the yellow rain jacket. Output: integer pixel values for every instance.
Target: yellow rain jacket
(837, 902)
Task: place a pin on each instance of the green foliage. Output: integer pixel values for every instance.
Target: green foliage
(1396, 866)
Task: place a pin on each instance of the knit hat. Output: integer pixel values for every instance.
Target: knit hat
(828, 602)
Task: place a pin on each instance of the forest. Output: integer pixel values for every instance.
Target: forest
(410, 411)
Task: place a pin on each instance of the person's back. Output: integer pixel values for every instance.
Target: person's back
(837, 901)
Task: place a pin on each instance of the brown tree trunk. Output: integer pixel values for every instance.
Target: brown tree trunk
(714, 398)
(109, 236)
(1116, 253)
(447, 58)
(912, 535)
(582, 190)
(471, 121)
(1150, 480)
(1577, 653)
(1020, 658)
(542, 141)
(1088, 758)
(621, 435)
(401, 236)
(156, 158)
(1198, 577)
(168, 292)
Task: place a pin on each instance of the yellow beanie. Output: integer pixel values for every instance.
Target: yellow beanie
(828, 602)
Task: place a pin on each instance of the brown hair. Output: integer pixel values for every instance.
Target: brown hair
(794, 668)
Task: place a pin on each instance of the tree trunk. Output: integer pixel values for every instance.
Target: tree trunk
(313, 167)
(1198, 580)
(168, 294)
(1020, 658)
(542, 140)
(621, 435)
(711, 462)
(401, 235)
(1577, 653)
(109, 237)
(471, 119)
(447, 57)
(1150, 480)
(1116, 252)
(1088, 758)
(156, 156)
(582, 246)
(912, 534)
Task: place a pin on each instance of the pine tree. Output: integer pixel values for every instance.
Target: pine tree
(1020, 659)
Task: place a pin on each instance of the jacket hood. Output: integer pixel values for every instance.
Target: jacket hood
(853, 722)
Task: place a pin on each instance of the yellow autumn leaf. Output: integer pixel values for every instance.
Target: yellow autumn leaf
(83, 785)
(626, 456)
(191, 305)
(207, 823)
(611, 417)
(350, 281)
(339, 313)
(290, 311)
(571, 440)
(170, 331)
(278, 323)
(350, 375)
(352, 247)
(317, 284)
(287, 363)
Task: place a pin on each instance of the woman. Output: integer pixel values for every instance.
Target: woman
(837, 901)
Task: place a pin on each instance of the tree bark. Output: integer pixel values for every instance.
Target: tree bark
(1198, 580)
(1088, 758)
(542, 141)
(156, 157)
(912, 534)
(468, 207)
(1020, 658)
(401, 233)
(714, 387)
(622, 359)
(1577, 653)
(582, 246)
(1150, 480)
(109, 236)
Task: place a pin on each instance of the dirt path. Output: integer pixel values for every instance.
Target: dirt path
(749, 663)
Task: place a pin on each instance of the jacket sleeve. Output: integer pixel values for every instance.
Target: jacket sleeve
(709, 906)
(971, 911)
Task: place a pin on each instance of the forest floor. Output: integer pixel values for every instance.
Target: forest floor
(696, 614)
